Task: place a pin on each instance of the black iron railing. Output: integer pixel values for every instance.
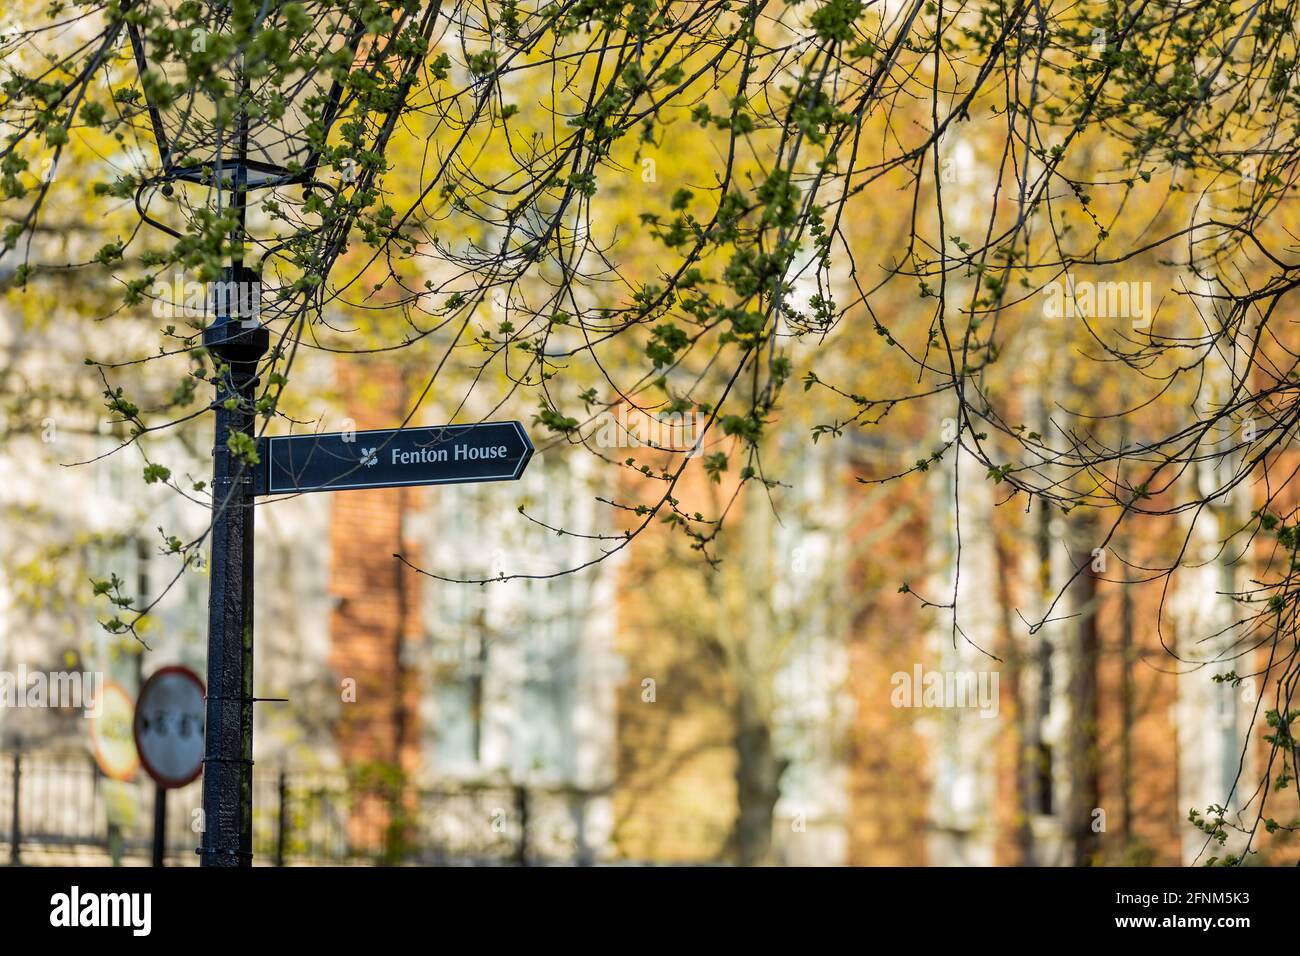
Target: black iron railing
(59, 801)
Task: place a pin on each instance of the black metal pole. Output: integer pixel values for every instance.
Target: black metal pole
(238, 341)
(521, 806)
(228, 747)
(159, 825)
(15, 824)
(282, 827)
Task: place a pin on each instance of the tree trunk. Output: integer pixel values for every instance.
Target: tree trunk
(1021, 716)
(758, 784)
(1085, 769)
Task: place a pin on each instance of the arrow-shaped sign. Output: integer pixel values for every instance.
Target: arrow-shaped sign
(444, 455)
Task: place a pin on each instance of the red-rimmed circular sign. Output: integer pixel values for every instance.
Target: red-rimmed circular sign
(169, 726)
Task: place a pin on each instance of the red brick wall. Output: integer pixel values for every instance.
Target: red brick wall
(377, 606)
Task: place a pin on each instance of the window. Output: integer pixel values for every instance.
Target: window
(505, 657)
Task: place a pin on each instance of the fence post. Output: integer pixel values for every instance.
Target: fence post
(15, 828)
(521, 808)
(583, 851)
(282, 825)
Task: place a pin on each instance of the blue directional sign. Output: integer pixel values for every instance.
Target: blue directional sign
(444, 455)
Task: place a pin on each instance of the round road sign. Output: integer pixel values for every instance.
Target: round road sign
(169, 726)
(110, 734)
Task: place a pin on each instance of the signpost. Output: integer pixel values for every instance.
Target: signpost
(169, 737)
(392, 458)
(294, 464)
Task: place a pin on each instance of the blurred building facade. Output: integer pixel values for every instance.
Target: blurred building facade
(692, 709)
